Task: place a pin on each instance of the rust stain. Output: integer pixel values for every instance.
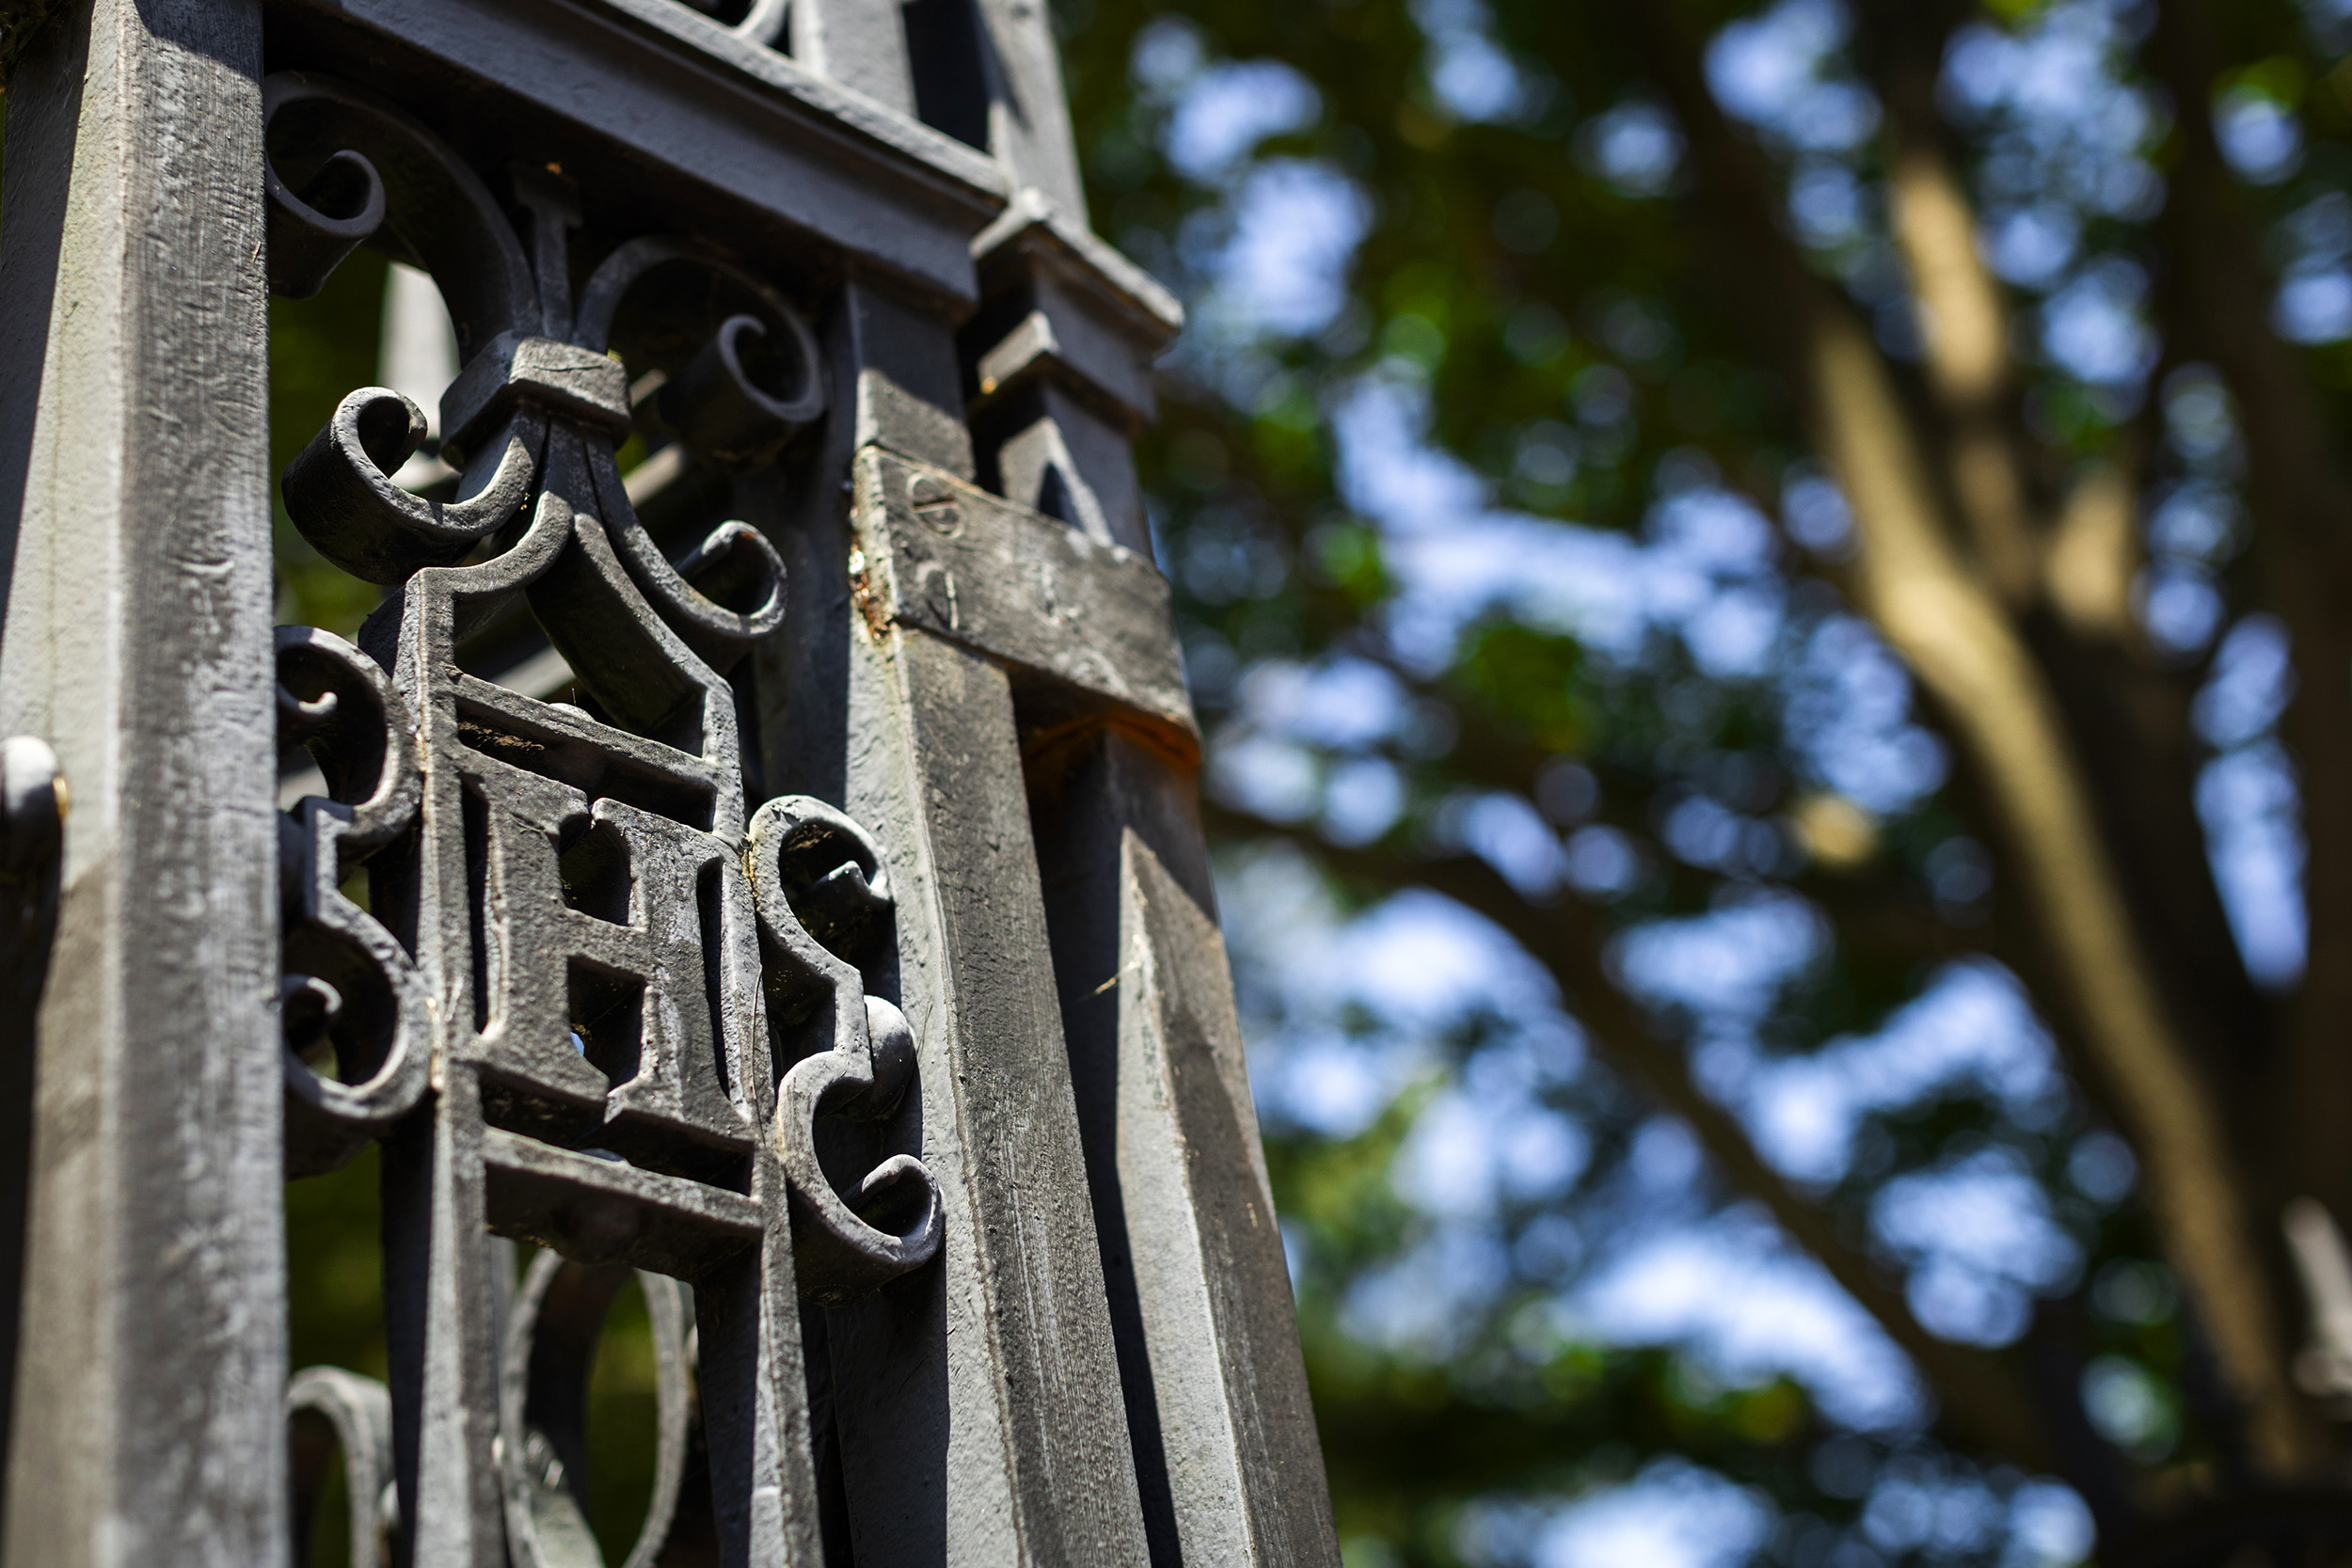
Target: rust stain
(872, 608)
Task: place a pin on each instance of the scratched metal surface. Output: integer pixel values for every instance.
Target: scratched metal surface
(700, 873)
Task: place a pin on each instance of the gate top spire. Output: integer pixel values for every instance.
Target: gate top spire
(749, 853)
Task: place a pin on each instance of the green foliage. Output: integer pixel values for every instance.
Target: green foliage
(1527, 680)
(335, 1270)
(1584, 346)
(320, 349)
(1579, 345)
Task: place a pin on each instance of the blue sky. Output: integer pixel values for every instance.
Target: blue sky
(1346, 1010)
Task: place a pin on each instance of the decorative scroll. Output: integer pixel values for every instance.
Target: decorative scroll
(551, 1338)
(328, 1409)
(583, 1002)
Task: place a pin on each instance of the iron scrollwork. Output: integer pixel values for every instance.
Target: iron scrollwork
(583, 1002)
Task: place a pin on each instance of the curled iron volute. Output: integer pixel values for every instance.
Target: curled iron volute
(718, 405)
(846, 1244)
(349, 986)
(339, 491)
(848, 1239)
(341, 206)
(720, 597)
(328, 1409)
(823, 894)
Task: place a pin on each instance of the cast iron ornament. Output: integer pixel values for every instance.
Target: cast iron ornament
(566, 902)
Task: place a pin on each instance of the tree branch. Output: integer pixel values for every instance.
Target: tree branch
(2126, 715)
(1967, 361)
(1955, 635)
(1979, 1390)
(2215, 305)
(2126, 718)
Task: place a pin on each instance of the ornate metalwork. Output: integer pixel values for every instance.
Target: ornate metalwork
(551, 1336)
(596, 1007)
(330, 1410)
(843, 982)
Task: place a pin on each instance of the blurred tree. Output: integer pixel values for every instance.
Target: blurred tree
(1823, 528)
(1797, 546)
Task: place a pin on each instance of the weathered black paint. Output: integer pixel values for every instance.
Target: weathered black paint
(600, 997)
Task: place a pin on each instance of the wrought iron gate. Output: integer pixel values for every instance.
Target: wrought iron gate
(749, 855)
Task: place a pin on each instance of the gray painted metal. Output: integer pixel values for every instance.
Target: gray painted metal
(1200, 1292)
(150, 1345)
(783, 884)
(1034, 593)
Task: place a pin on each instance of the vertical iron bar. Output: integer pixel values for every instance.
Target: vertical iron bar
(136, 641)
(1208, 1341)
(978, 1400)
(1228, 1465)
